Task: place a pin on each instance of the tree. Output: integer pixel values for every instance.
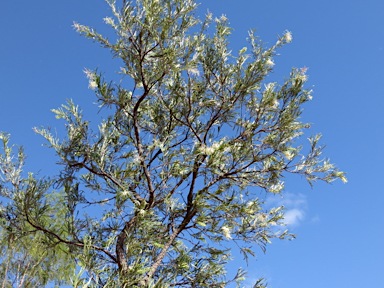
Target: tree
(27, 257)
(28, 262)
(178, 166)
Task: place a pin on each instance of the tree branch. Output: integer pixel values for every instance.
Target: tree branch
(121, 259)
(66, 241)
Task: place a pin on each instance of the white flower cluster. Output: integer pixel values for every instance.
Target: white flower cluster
(209, 150)
(276, 188)
(77, 26)
(289, 155)
(109, 21)
(270, 87)
(227, 232)
(125, 193)
(288, 36)
(250, 203)
(222, 18)
(302, 77)
(269, 62)
(137, 159)
(276, 104)
(262, 217)
(91, 77)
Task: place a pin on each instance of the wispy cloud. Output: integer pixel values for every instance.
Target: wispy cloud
(294, 216)
(315, 219)
(295, 204)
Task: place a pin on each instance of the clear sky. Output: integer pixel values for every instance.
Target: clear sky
(340, 226)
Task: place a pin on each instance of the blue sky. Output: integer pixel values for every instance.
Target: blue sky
(339, 226)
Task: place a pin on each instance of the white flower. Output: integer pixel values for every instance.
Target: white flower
(109, 21)
(209, 150)
(288, 36)
(91, 76)
(137, 158)
(276, 188)
(216, 145)
(125, 193)
(269, 62)
(261, 217)
(276, 103)
(289, 155)
(227, 149)
(223, 18)
(302, 77)
(92, 85)
(227, 232)
(269, 87)
(77, 26)
(250, 203)
(88, 73)
(300, 167)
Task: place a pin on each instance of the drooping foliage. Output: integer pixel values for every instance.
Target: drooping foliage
(29, 257)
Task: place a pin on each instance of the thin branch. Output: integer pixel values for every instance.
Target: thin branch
(66, 241)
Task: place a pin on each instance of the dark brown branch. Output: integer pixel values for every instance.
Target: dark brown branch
(161, 256)
(137, 133)
(164, 251)
(121, 259)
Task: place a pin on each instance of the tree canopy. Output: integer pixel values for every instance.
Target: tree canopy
(177, 168)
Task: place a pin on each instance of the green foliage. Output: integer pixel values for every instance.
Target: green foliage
(29, 256)
(175, 171)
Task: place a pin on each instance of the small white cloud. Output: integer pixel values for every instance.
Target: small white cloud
(293, 216)
(295, 204)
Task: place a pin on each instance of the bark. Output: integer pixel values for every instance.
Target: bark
(161, 256)
(164, 251)
(121, 259)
